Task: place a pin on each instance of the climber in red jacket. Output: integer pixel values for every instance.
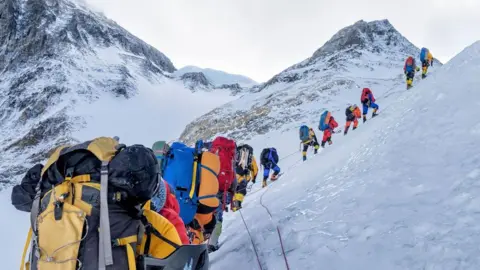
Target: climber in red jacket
(327, 133)
(165, 203)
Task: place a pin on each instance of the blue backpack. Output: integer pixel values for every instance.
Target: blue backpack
(193, 175)
(304, 133)
(423, 54)
(324, 120)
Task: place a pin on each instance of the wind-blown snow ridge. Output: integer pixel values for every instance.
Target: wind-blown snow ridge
(400, 192)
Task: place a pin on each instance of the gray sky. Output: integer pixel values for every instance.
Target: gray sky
(260, 38)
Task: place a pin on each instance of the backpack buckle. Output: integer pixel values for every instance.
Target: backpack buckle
(115, 243)
(117, 197)
(58, 209)
(104, 168)
(69, 173)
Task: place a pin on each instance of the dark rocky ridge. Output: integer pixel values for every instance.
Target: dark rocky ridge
(26, 36)
(195, 79)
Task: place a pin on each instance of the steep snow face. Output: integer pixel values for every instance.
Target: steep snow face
(217, 77)
(366, 54)
(58, 58)
(400, 192)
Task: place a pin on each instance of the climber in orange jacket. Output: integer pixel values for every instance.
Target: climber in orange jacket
(352, 113)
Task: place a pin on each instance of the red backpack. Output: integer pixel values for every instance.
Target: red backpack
(409, 61)
(225, 149)
(365, 93)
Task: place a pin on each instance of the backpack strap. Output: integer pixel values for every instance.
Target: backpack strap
(25, 249)
(148, 229)
(194, 176)
(35, 209)
(208, 169)
(207, 197)
(126, 241)
(166, 240)
(105, 247)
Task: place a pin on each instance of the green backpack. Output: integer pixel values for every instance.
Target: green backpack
(160, 149)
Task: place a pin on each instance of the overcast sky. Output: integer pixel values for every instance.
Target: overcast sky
(260, 38)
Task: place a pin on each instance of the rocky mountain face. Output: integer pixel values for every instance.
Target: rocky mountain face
(365, 54)
(218, 77)
(56, 57)
(196, 80)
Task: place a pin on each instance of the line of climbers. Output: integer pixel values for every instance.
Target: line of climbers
(103, 205)
(410, 67)
(328, 124)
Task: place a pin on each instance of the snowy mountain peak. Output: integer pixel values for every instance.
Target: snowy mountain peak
(365, 54)
(362, 35)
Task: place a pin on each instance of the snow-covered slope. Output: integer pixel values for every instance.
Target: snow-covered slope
(217, 77)
(67, 74)
(400, 192)
(366, 54)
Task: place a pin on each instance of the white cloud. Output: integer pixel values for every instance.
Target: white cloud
(261, 38)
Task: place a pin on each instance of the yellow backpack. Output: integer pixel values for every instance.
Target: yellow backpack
(70, 224)
(82, 224)
(160, 238)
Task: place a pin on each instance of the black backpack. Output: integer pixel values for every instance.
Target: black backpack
(264, 156)
(243, 159)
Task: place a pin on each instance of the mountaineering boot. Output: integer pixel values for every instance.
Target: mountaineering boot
(304, 158)
(264, 183)
(237, 205)
(424, 76)
(330, 142)
(315, 151)
(374, 114)
(274, 177)
(409, 83)
(354, 128)
(212, 248)
(323, 145)
(364, 118)
(346, 131)
(213, 240)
